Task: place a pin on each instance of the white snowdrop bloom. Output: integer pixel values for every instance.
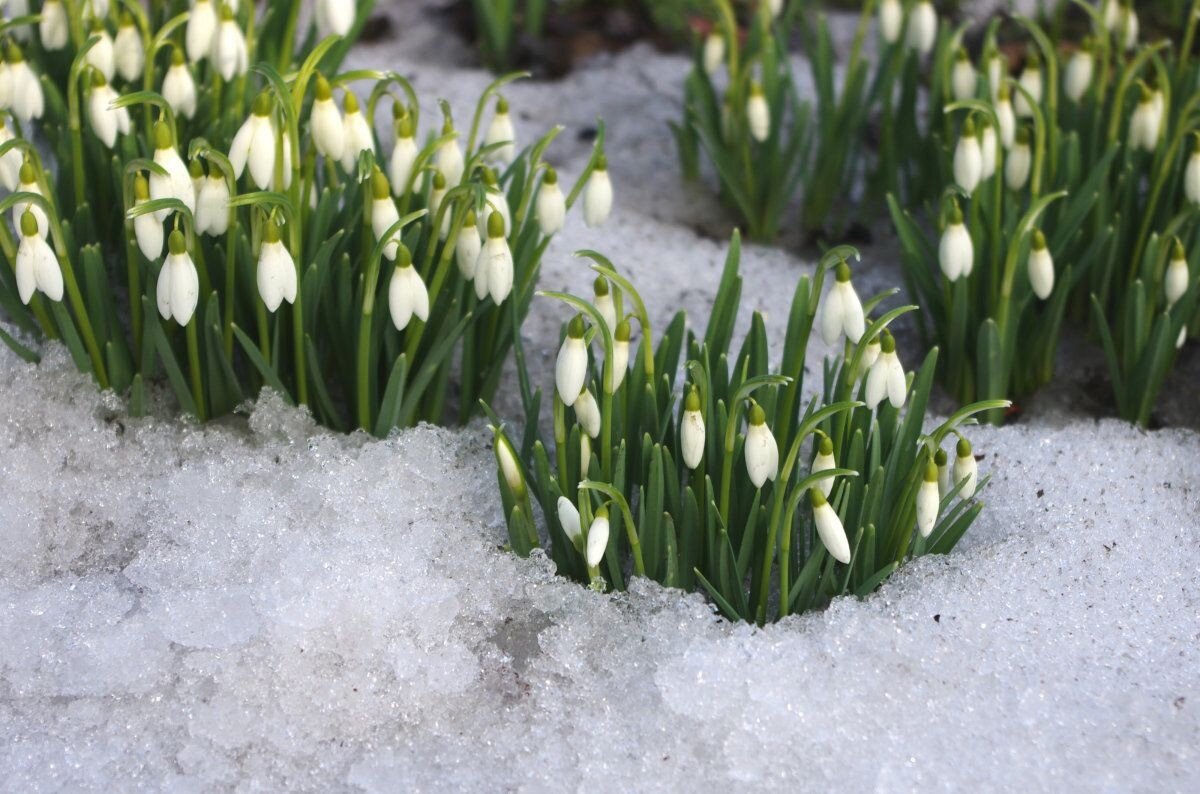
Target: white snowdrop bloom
(404, 157)
(1146, 122)
(178, 283)
(945, 476)
(21, 88)
(570, 369)
(147, 229)
(328, 132)
(886, 376)
(1079, 72)
(494, 267)
(37, 267)
(201, 30)
(714, 51)
(1126, 27)
(829, 526)
(510, 469)
(1110, 12)
(968, 159)
(6, 89)
(602, 299)
(408, 296)
(551, 208)
(494, 203)
(824, 461)
(587, 413)
(254, 145)
(1191, 174)
(229, 56)
(598, 195)
(1006, 119)
(356, 133)
(129, 51)
(956, 252)
(100, 56)
(1175, 283)
(334, 17)
(692, 431)
(106, 120)
(775, 7)
(437, 194)
(928, 500)
(568, 518)
(179, 87)
(597, 538)
(758, 114)
(10, 163)
(870, 354)
(53, 27)
(501, 131)
(1031, 81)
(891, 20)
(988, 150)
(384, 214)
(467, 246)
(196, 172)
(620, 362)
(212, 205)
(27, 183)
(962, 76)
(997, 68)
(1018, 162)
(449, 157)
(841, 310)
(966, 470)
(1041, 266)
(922, 27)
(276, 270)
(761, 451)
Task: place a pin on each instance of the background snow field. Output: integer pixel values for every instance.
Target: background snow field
(262, 604)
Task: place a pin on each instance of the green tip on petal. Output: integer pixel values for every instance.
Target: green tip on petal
(404, 126)
(98, 79)
(956, 215)
(163, 138)
(602, 511)
(887, 342)
(623, 332)
(141, 188)
(693, 400)
(600, 286)
(1004, 93)
(1039, 240)
(29, 224)
(1023, 136)
(226, 12)
(757, 415)
(501, 105)
(324, 90)
(195, 169)
(940, 457)
(575, 327)
(550, 177)
(439, 180)
(350, 102)
(816, 498)
(177, 57)
(262, 104)
(403, 256)
(962, 54)
(126, 20)
(447, 125)
(1033, 61)
(968, 129)
(1144, 92)
(469, 220)
(176, 244)
(379, 185)
(756, 89)
(495, 225)
(271, 235)
(963, 448)
(489, 177)
(27, 175)
(1177, 251)
(843, 271)
(602, 162)
(14, 53)
(826, 446)
(931, 472)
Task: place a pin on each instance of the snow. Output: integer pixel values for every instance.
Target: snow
(260, 604)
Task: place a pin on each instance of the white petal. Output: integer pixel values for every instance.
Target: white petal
(47, 270)
(262, 151)
(831, 532)
(149, 232)
(163, 292)
(26, 267)
(831, 316)
(570, 370)
(597, 199)
(897, 384)
(185, 287)
(568, 517)
(597, 541)
(927, 507)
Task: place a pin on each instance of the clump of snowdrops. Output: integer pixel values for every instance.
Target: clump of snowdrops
(1073, 188)
(195, 197)
(702, 467)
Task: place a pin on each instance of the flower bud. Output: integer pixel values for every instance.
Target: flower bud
(449, 157)
(692, 431)
(1079, 71)
(501, 131)
(956, 252)
(510, 469)
(829, 526)
(1041, 266)
(384, 214)
(962, 76)
(1031, 81)
(886, 376)
(1146, 122)
(1006, 119)
(841, 311)
(927, 500)
(571, 367)
(551, 206)
(758, 114)
(714, 51)
(891, 20)
(598, 195)
(587, 413)
(404, 156)
(761, 451)
(568, 518)
(620, 362)
(823, 461)
(597, 538)
(1175, 283)
(328, 133)
(1019, 162)
(467, 246)
(968, 159)
(922, 27)
(966, 470)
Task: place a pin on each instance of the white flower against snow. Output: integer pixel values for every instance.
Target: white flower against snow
(570, 370)
(761, 451)
(36, 266)
(598, 195)
(178, 283)
(829, 526)
(408, 296)
(842, 311)
(276, 270)
(886, 376)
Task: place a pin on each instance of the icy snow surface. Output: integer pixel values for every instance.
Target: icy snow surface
(265, 605)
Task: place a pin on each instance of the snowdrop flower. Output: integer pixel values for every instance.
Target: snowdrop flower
(1079, 71)
(384, 214)
(10, 163)
(1176, 282)
(886, 377)
(692, 431)
(21, 88)
(27, 183)
(587, 413)
(494, 266)
(147, 228)
(201, 30)
(1006, 119)
(328, 133)
(597, 538)
(842, 311)
(714, 52)
(6, 88)
(177, 182)
(945, 478)
(334, 17)
(922, 27)
(449, 157)
(956, 252)
(495, 202)
(196, 172)
(53, 27)
(1124, 24)
(551, 209)
(1019, 161)
(987, 149)
(1146, 122)
(597, 195)
(968, 159)
(129, 51)
(100, 56)
(254, 144)
(870, 354)
(467, 246)
(407, 295)
(997, 68)
(1041, 266)
(891, 20)
(276, 270)
(927, 500)
(510, 469)
(966, 470)
(37, 267)
(620, 362)
(962, 76)
(1031, 81)
(178, 283)
(106, 120)
(758, 114)
(501, 131)
(179, 88)
(570, 370)
(829, 526)
(603, 301)
(356, 133)
(404, 156)
(437, 193)
(229, 54)
(1191, 174)
(585, 454)
(568, 517)
(775, 7)
(762, 453)
(212, 205)
(823, 461)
